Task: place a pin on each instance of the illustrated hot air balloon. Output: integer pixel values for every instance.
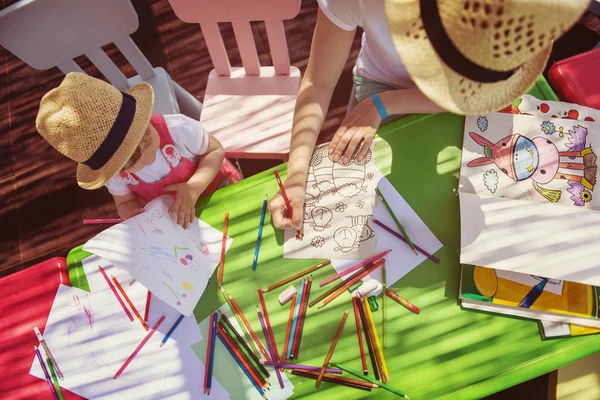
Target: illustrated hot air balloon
(320, 218)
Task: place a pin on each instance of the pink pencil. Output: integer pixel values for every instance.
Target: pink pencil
(116, 294)
(137, 349)
(354, 268)
(103, 221)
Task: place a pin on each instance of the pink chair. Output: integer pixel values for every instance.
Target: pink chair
(248, 109)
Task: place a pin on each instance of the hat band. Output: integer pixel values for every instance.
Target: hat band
(115, 136)
(448, 52)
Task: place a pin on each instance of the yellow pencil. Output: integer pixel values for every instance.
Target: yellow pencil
(377, 344)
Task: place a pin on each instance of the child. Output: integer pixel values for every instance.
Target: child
(138, 156)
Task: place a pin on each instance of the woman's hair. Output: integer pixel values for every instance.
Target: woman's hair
(138, 151)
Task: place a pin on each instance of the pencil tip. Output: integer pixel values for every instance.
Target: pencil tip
(161, 344)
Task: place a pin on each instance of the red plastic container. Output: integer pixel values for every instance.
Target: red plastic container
(575, 79)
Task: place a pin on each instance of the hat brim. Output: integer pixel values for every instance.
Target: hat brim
(91, 179)
(450, 90)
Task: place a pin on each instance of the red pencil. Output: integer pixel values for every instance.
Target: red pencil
(269, 329)
(137, 349)
(360, 341)
(110, 285)
(289, 328)
(135, 311)
(302, 318)
(223, 248)
(299, 234)
(148, 297)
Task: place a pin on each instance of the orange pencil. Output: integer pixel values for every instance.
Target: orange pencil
(135, 311)
(339, 285)
(239, 312)
(358, 333)
(112, 287)
(351, 282)
(241, 356)
(296, 276)
(338, 333)
(223, 248)
(268, 322)
(289, 328)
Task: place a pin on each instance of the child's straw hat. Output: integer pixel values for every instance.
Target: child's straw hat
(93, 123)
(477, 56)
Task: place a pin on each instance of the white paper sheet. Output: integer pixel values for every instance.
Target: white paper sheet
(401, 260)
(91, 337)
(175, 264)
(337, 210)
(553, 285)
(227, 371)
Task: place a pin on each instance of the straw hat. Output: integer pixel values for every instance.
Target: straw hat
(477, 56)
(93, 123)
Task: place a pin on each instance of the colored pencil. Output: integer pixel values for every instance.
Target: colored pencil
(338, 285)
(211, 324)
(265, 333)
(247, 335)
(170, 332)
(243, 343)
(223, 249)
(398, 224)
(402, 301)
(359, 334)
(383, 305)
(399, 236)
(377, 343)
(355, 267)
(45, 371)
(299, 234)
(338, 333)
(351, 282)
(236, 309)
(147, 310)
(369, 379)
(54, 378)
(296, 276)
(253, 370)
(368, 339)
(340, 380)
(302, 317)
(115, 293)
(268, 322)
(298, 319)
(128, 300)
(288, 330)
(302, 367)
(260, 230)
(42, 341)
(213, 339)
(139, 347)
(102, 221)
(258, 388)
(533, 294)
(295, 320)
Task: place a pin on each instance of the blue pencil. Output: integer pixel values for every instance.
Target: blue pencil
(239, 363)
(260, 229)
(533, 294)
(168, 335)
(295, 321)
(213, 335)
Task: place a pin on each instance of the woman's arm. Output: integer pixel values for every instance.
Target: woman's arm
(328, 54)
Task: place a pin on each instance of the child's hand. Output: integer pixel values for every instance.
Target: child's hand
(360, 124)
(280, 213)
(185, 200)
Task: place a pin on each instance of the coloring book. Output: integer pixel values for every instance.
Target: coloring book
(528, 193)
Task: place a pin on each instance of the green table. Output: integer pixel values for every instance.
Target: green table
(445, 352)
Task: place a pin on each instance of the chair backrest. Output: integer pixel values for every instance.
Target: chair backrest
(208, 13)
(49, 33)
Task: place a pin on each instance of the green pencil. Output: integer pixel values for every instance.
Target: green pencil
(54, 378)
(398, 224)
(241, 324)
(383, 312)
(368, 379)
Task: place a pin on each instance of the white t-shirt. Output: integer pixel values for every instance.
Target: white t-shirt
(189, 138)
(378, 59)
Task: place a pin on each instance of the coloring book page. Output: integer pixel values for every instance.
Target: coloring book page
(526, 157)
(174, 263)
(401, 260)
(553, 285)
(530, 105)
(337, 210)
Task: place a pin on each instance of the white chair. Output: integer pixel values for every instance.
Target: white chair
(49, 33)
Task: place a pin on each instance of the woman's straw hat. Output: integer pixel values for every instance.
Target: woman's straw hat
(477, 56)
(93, 123)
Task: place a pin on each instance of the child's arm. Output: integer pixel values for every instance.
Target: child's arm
(188, 192)
(128, 205)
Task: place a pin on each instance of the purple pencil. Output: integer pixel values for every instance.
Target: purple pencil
(269, 345)
(399, 236)
(46, 374)
(304, 367)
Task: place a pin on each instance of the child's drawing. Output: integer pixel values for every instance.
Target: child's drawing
(482, 123)
(157, 230)
(160, 252)
(529, 105)
(320, 217)
(317, 241)
(178, 296)
(349, 237)
(490, 180)
(83, 309)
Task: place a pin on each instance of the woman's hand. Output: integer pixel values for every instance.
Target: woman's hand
(279, 211)
(185, 200)
(360, 125)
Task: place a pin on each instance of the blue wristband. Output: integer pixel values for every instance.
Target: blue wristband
(379, 105)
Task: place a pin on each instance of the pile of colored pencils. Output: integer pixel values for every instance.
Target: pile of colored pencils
(296, 322)
(364, 317)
